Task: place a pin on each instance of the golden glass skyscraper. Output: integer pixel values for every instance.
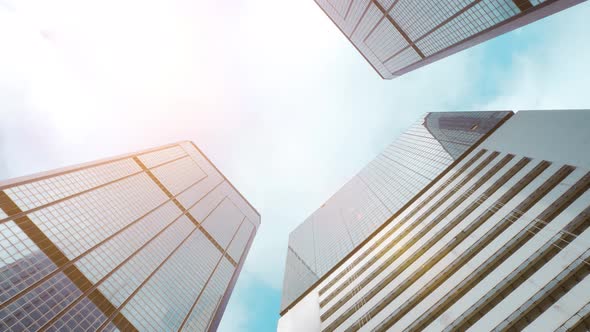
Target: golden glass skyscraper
(398, 36)
(150, 241)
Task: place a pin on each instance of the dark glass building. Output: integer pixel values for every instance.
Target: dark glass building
(398, 36)
(387, 184)
(150, 241)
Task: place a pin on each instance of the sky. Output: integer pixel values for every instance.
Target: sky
(270, 90)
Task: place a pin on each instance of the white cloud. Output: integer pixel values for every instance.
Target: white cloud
(553, 74)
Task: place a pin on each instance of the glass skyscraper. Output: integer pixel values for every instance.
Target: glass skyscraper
(398, 36)
(388, 183)
(499, 242)
(150, 241)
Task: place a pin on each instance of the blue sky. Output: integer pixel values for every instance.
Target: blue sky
(269, 89)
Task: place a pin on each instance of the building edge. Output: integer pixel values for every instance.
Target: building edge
(78, 167)
(224, 177)
(230, 288)
(539, 12)
(353, 44)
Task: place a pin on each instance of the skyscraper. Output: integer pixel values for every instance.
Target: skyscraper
(398, 36)
(500, 242)
(153, 240)
(390, 182)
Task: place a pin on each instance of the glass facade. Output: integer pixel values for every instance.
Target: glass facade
(150, 241)
(377, 192)
(499, 242)
(397, 36)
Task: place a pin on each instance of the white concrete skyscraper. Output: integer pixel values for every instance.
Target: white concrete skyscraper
(419, 156)
(499, 242)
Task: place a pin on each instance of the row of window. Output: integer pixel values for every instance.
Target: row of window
(525, 270)
(118, 248)
(475, 248)
(417, 254)
(424, 230)
(395, 227)
(547, 216)
(455, 241)
(491, 235)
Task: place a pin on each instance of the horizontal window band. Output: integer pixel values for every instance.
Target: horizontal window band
(122, 230)
(516, 242)
(582, 325)
(389, 233)
(469, 229)
(60, 260)
(406, 246)
(438, 308)
(569, 278)
(184, 210)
